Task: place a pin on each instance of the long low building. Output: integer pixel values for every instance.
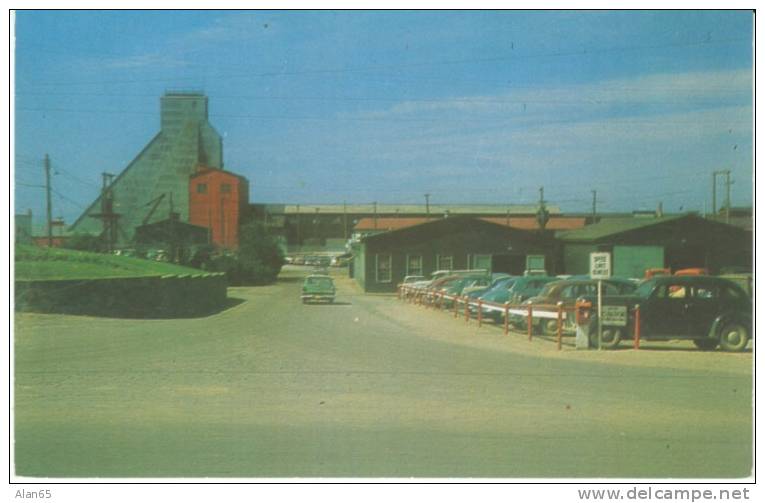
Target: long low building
(381, 261)
(328, 227)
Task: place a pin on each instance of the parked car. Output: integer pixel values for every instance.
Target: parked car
(341, 260)
(458, 286)
(650, 273)
(567, 291)
(708, 310)
(527, 287)
(744, 280)
(499, 293)
(311, 260)
(443, 273)
(476, 291)
(692, 271)
(318, 287)
(410, 280)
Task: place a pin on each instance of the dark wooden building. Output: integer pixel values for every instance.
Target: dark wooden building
(381, 261)
(675, 242)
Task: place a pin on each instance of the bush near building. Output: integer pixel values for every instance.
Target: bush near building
(258, 260)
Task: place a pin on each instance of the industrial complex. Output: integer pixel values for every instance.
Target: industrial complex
(176, 193)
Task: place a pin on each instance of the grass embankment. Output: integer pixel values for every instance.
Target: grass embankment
(34, 263)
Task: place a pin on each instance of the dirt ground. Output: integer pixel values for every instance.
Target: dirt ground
(367, 387)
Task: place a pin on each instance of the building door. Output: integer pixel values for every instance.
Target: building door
(632, 261)
(508, 263)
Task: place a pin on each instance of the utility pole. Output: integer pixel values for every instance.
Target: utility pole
(345, 221)
(298, 227)
(427, 205)
(375, 210)
(543, 216)
(48, 210)
(715, 174)
(727, 196)
(594, 205)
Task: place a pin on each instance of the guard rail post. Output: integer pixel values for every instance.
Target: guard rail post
(637, 327)
(529, 323)
(507, 318)
(467, 308)
(480, 313)
(560, 324)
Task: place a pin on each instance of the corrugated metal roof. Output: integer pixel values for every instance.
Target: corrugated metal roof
(530, 223)
(388, 224)
(612, 226)
(435, 210)
(527, 223)
(448, 223)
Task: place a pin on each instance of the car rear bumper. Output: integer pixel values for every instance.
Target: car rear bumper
(317, 296)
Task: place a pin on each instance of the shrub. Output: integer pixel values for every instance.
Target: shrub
(258, 260)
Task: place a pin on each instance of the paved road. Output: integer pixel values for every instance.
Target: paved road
(366, 387)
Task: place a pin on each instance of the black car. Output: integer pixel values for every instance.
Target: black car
(566, 292)
(708, 310)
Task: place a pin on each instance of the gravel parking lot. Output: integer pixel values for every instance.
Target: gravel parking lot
(366, 387)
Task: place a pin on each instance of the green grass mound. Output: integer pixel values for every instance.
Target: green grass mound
(35, 263)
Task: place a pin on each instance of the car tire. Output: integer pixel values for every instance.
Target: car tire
(610, 340)
(706, 344)
(549, 327)
(734, 337)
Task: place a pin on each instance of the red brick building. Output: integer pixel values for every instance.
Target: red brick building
(217, 201)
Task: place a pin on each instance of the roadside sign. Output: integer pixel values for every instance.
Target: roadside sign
(600, 265)
(615, 316)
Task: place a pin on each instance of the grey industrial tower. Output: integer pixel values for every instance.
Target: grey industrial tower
(161, 170)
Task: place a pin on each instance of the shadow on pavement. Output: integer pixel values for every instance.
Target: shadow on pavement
(138, 314)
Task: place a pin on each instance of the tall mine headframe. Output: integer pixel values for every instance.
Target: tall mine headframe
(186, 140)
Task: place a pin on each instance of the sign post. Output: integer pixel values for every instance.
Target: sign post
(600, 269)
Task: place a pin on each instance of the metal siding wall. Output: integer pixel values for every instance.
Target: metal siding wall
(576, 258)
(163, 167)
(359, 266)
(632, 261)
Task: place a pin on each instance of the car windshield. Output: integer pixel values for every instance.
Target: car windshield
(645, 288)
(319, 282)
(503, 284)
(548, 289)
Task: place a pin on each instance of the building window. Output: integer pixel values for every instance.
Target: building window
(225, 188)
(479, 262)
(444, 263)
(201, 188)
(414, 265)
(383, 267)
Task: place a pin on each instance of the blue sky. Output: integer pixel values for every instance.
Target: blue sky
(362, 106)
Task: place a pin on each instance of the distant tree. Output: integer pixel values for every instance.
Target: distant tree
(84, 242)
(258, 260)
